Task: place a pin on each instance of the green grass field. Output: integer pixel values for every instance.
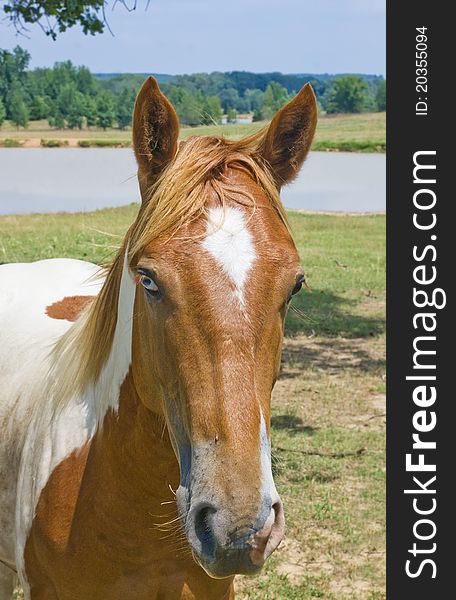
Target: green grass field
(365, 132)
(328, 406)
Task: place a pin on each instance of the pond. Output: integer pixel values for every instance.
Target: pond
(84, 179)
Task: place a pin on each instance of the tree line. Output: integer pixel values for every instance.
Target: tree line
(72, 97)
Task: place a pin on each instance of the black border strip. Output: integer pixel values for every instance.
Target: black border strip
(408, 133)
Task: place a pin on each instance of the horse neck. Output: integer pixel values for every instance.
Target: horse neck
(135, 441)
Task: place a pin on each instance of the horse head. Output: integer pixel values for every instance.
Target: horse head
(216, 268)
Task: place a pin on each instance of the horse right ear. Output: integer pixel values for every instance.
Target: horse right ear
(155, 133)
(289, 136)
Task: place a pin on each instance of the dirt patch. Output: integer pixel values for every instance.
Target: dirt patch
(31, 143)
(293, 560)
(64, 143)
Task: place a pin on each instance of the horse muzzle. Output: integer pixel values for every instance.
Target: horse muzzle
(224, 549)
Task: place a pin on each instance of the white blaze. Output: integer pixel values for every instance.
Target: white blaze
(230, 242)
(268, 485)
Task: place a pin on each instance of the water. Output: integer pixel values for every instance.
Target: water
(339, 181)
(84, 179)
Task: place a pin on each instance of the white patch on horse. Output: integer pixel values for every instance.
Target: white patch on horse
(105, 392)
(44, 437)
(230, 242)
(267, 480)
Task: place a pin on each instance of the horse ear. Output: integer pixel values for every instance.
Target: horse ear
(155, 133)
(288, 138)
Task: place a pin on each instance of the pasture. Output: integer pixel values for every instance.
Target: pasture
(363, 132)
(328, 406)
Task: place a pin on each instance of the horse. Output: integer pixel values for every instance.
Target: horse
(135, 454)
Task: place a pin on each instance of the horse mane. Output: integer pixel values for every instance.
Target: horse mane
(178, 196)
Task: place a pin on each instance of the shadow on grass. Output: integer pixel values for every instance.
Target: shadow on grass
(328, 314)
(318, 477)
(291, 424)
(329, 355)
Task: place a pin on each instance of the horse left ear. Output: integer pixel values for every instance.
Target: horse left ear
(289, 136)
(155, 133)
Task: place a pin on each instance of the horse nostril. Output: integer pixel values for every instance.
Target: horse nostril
(279, 517)
(203, 517)
(266, 540)
(278, 510)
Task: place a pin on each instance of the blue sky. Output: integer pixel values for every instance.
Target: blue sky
(188, 36)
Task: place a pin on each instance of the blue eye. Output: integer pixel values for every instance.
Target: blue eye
(147, 282)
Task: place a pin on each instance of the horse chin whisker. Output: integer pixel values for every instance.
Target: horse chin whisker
(164, 516)
(171, 522)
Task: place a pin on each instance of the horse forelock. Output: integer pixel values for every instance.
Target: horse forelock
(197, 172)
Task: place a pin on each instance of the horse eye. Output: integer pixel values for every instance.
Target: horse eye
(148, 283)
(298, 285)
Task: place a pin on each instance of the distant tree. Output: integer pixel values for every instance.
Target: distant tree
(257, 115)
(75, 114)
(13, 66)
(105, 110)
(380, 96)
(70, 106)
(212, 110)
(347, 95)
(254, 99)
(2, 112)
(57, 120)
(242, 105)
(65, 99)
(124, 108)
(189, 106)
(17, 108)
(231, 115)
(86, 82)
(191, 110)
(90, 111)
(229, 98)
(116, 84)
(62, 73)
(69, 96)
(275, 96)
(40, 108)
(19, 113)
